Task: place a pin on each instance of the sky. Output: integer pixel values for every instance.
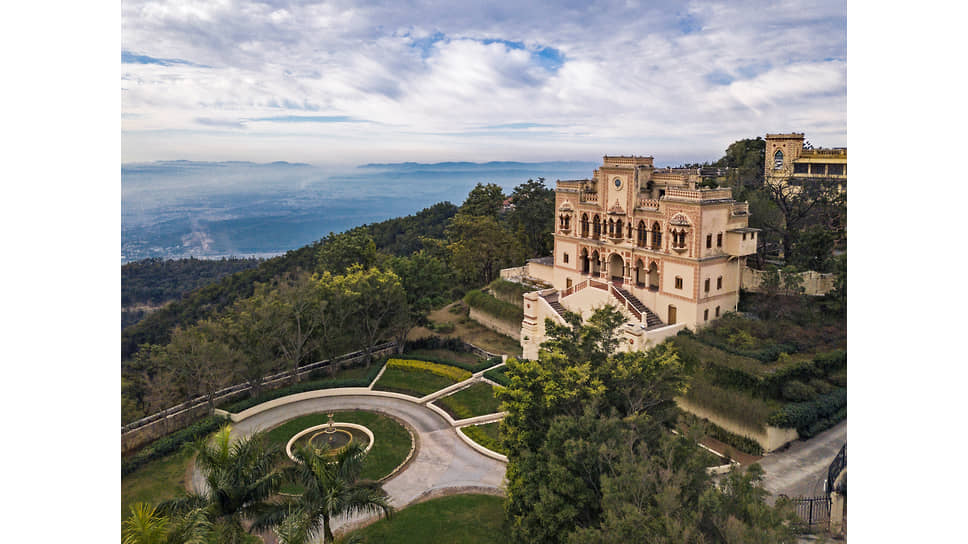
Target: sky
(353, 82)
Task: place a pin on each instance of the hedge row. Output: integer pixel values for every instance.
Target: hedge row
(436, 342)
(320, 382)
(447, 371)
(168, 444)
(498, 375)
(440, 360)
(741, 443)
(766, 354)
(492, 306)
(810, 418)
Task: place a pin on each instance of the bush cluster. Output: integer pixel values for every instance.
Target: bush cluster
(735, 405)
(447, 371)
(810, 418)
(509, 291)
(492, 306)
(168, 444)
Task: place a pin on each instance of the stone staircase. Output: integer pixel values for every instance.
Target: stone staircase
(552, 301)
(651, 320)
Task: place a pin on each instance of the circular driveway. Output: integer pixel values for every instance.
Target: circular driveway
(442, 461)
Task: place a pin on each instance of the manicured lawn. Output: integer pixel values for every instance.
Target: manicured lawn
(476, 400)
(487, 435)
(417, 383)
(156, 481)
(460, 519)
(391, 443)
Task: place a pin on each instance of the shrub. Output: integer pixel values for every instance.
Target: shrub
(168, 444)
(831, 361)
(509, 291)
(443, 328)
(446, 371)
(809, 418)
(492, 306)
(797, 391)
(820, 386)
(839, 379)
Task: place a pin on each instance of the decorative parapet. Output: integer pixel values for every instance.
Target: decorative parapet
(741, 208)
(648, 204)
(589, 197)
(699, 195)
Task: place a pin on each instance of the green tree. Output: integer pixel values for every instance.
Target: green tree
(200, 359)
(483, 200)
(339, 252)
(813, 248)
(253, 326)
(147, 525)
(744, 158)
(332, 488)
(240, 477)
(379, 303)
(534, 216)
(297, 302)
(426, 279)
(335, 307)
(792, 280)
(479, 247)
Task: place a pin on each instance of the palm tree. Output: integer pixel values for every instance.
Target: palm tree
(332, 488)
(147, 525)
(240, 477)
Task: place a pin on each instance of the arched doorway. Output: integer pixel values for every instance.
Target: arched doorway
(585, 265)
(596, 264)
(616, 267)
(653, 276)
(639, 273)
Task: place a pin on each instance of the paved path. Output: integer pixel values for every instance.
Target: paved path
(442, 462)
(801, 469)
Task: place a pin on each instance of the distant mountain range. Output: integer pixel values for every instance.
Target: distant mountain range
(181, 208)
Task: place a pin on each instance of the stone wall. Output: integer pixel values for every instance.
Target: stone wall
(496, 324)
(814, 283)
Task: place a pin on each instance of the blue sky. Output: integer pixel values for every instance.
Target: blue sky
(349, 82)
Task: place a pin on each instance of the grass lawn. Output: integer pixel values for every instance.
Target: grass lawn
(417, 383)
(487, 435)
(391, 443)
(469, 331)
(156, 481)
(476, 400)
(459, 519)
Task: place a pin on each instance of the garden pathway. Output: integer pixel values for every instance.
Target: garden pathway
(442, 463)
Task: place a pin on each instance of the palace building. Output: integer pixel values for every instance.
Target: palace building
(666, 252)
(788, 161)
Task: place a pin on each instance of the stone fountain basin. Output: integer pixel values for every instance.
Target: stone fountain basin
(336, 426)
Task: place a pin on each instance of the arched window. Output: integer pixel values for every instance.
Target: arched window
(618, 228)
(611, 227)
(597, 228)
(584, 225)
(778, 159)
(640, 234)
(656, 236)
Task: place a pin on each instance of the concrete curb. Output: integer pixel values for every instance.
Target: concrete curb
(304, 432)
(319, 393)
(479, 448)
(448, 390)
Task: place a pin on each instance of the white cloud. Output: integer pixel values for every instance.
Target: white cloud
(635, 77)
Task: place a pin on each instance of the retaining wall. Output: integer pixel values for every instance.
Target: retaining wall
(769, 438)
(496, 324)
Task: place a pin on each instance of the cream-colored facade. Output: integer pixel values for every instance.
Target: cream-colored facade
(649, 241)
(787, 161)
